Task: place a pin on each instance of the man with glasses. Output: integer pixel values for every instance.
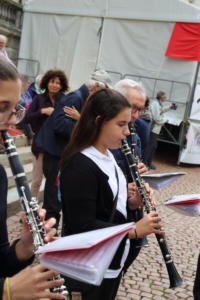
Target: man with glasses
(135, 94)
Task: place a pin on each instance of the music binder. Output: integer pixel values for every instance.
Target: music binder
(84, 256)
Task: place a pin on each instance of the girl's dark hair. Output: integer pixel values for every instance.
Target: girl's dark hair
(7, 71)
(51, 74)
(104, 104)
(147, 102)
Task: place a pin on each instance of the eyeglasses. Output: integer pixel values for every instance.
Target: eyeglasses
(19, 112)
(137, 109)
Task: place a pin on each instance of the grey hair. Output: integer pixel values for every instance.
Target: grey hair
(124, 85)
(91, 82)
(3, 37)
(160, 94)
(38, 78)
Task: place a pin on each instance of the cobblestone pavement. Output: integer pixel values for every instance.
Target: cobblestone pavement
(147, 277)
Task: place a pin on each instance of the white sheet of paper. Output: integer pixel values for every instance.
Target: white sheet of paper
(162, 180)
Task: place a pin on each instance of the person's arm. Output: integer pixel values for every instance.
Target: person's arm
(156, 113)
(166, 108)
(72, 112)
(34, 112)
(20, 253)
(62, 124)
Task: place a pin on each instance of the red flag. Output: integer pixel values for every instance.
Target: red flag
(185, 42)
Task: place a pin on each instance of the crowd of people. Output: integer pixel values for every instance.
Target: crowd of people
(76, 140)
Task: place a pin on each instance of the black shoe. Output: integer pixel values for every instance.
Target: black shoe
(152, 167)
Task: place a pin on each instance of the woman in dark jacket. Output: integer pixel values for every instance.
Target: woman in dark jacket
(55, 84)
(90, 180)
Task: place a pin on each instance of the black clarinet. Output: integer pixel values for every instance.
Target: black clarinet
(143, 242)
(29, 204)
(174, 277)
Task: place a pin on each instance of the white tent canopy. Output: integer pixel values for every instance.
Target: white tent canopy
(123, 36)
(156, 10)
(128, 38)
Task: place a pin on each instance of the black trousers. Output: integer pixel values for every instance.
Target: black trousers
(51, 202)
(106, 291)
(151, 149)
(196, 289)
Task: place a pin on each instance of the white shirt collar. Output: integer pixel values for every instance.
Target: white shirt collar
(96, 153)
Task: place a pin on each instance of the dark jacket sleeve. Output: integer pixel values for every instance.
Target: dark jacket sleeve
(34, 111)
(63, 125)
(9, 263)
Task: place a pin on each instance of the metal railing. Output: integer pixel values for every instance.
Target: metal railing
(172, 134)
(30, 67)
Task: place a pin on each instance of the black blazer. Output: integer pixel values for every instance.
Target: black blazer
(87, 199)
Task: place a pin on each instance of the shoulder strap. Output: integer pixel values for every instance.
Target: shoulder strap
(116, 197)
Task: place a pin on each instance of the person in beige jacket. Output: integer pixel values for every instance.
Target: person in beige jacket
(158, 120)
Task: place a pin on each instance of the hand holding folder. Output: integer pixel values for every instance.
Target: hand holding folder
(84, 256)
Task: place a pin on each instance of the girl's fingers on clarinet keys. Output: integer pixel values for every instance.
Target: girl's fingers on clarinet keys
(34, 283)
(147, 225)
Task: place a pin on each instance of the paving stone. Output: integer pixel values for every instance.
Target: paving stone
(146, 295)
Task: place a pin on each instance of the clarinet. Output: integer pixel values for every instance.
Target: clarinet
(139, 212)
(174, 277)
(29, 204)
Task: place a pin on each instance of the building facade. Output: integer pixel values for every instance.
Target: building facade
(11, 14)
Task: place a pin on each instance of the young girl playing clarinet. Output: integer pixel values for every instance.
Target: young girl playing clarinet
(91, 181)
(15, 283)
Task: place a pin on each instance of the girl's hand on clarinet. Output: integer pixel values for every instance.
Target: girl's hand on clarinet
(25, 248)
(48, 226)
(134, 199)
(142, 168)
(147, 225)
(150, 193)
(34, 283)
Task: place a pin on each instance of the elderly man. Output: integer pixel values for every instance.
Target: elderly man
(3, 52)
(135, 94)
(55, 134)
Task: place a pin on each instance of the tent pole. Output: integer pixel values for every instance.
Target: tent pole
(188, 111)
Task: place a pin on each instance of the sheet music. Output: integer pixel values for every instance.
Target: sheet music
(84, 256)
(87, 265)
(162, 180)
(85, 239)
(185, 204)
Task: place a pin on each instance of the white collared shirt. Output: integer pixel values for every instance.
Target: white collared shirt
(107, 164)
